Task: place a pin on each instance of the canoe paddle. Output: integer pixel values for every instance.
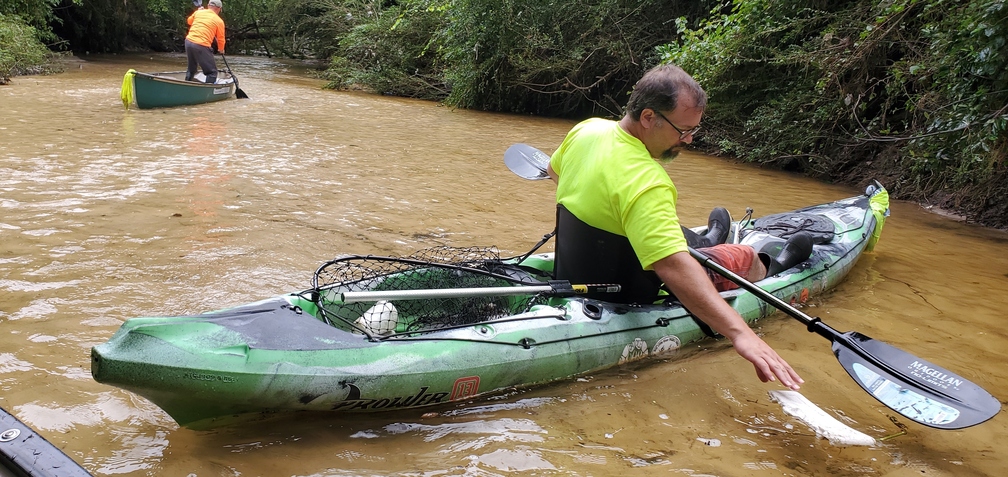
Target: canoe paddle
(915, 388)
(239, 94)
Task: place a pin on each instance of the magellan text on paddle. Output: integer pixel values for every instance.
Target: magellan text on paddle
(935, 375)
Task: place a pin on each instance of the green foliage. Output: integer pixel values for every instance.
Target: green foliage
(391, 51)
(552, 58)
(548, 58)
(962, 108)
(914, 89)
(112, 26)
(759, 64)
(21, 52)
(35, 13)
(316, 27)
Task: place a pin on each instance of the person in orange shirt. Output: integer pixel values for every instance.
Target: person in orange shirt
(205, 26)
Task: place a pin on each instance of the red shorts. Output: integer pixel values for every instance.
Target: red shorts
(734, 257)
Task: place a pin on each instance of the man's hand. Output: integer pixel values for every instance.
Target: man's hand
(769, 365)
(686, 278)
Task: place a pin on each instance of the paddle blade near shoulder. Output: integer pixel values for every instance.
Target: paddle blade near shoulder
(527, 162)
(917, 389)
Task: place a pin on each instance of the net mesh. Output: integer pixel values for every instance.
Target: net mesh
(435, 268)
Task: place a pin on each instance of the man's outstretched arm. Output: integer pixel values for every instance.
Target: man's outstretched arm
(686, 278)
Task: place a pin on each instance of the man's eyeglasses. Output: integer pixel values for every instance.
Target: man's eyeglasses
(682, 134)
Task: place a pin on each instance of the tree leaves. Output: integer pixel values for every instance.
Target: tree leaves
(824, 88)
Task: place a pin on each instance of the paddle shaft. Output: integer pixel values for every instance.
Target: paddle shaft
(561, 288)
(813, 324)
(238, 91)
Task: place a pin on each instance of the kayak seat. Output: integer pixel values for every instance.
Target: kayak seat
(589, 255)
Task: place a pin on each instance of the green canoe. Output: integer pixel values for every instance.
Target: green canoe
(312, 351)
(169, 89)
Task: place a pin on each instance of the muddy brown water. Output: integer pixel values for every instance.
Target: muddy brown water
(107, 214)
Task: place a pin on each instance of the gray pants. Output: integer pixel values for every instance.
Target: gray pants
(202, 56)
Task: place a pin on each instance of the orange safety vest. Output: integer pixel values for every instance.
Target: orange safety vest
(205, 25)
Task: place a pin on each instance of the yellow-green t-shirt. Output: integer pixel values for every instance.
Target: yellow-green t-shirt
(608, 179)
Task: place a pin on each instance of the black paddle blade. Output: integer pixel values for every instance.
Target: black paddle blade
(917, 389)
(239, 94)
(527, 162)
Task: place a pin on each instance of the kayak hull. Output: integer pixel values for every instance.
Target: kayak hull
(23, 452)
(278, 355)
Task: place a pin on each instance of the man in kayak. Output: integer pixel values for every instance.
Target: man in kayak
(616, 215)
(205, 26)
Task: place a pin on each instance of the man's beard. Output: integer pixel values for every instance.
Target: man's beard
(670, 153)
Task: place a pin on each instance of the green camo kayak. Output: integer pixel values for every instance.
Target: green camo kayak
(301, 351)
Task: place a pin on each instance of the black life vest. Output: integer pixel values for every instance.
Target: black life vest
(589, 255)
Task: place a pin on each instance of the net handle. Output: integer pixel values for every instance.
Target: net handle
(559, 288)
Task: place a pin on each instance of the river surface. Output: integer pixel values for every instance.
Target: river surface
(107, 214)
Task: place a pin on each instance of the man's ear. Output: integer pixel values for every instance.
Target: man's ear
(648, 118)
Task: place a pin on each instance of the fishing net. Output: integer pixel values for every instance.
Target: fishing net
(439, 268)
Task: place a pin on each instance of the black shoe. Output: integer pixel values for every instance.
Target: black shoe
(718, 226)
(797, 249)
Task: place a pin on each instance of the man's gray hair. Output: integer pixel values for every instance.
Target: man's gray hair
(660, 88)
